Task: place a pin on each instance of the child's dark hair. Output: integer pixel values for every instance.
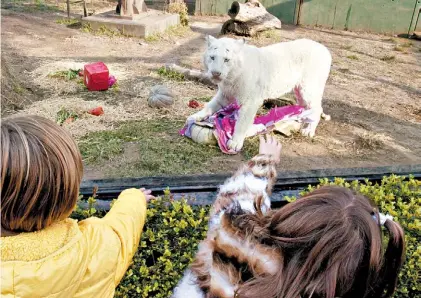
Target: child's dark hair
(331, 244)
(41, 171)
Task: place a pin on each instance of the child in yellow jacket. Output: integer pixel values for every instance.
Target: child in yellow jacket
(43, 252)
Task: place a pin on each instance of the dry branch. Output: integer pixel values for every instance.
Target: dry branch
(249, 19)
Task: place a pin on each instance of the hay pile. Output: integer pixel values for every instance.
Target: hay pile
(43, 76)
(85, 122)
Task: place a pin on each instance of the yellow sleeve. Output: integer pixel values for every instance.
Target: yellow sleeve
(127, 218)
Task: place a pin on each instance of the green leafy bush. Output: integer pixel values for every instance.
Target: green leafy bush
(174, 229)
(181, 9)
(168, 245)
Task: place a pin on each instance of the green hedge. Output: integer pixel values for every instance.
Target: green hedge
(174, 228)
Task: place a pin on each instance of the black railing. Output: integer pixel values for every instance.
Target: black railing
(203, 188)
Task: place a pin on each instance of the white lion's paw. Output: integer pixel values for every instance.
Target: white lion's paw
(255, 129)
(308, 132)
(235, 145)
(199, 116)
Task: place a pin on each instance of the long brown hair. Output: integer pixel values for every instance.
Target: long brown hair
(331, 246)
(41, 171)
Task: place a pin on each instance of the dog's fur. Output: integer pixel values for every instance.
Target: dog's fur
(227, 254)
(250, 75)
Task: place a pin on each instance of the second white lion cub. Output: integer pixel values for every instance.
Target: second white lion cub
(250, 75)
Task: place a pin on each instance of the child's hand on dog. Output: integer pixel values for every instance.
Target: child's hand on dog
(147, 193)
(270, 146)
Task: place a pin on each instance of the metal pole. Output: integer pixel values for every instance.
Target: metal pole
(412, 18)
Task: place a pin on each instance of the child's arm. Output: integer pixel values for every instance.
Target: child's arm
(127, 218)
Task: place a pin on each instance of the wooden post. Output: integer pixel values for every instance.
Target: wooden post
(85, 13)
(68, 9)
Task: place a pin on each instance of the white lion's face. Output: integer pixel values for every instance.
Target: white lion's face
(221, 57)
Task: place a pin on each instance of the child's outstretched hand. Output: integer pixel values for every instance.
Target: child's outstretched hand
(270, 146)
(147, 194)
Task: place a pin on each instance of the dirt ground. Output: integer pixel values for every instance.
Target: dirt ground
(373, 95)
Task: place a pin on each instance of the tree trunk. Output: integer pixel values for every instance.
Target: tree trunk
(249, 19)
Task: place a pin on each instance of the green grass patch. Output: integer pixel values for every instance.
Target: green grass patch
(334, 73)
(251, 147)
(346, 47)
(407, 44)
(344, 70)
(172, 31)
(18, 89)
(170, 74)
(159, 149)
(181, 9)
(69, 75)
(65, 114)
(388, 58)
(175, 31)
(273, 35)
(399, 48)
(105, 31)
(101, 146)
(68, 21)
(392, 40)
(353, 57)
(115, 87)
(87, 28)
(28, 6)
(102, 31)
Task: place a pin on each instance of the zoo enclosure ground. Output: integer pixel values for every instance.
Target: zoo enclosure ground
(373, 94)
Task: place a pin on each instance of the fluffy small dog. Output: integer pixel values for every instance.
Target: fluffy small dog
(226, 257)
(250, 75)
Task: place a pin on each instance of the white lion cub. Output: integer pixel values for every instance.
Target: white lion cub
(250, 75)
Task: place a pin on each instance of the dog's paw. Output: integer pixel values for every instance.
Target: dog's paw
(235, 145)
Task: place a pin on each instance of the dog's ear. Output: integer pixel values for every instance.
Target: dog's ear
(209, 40)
